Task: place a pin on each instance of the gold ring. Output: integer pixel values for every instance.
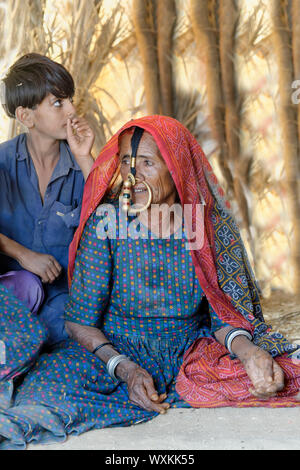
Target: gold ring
(131, 178)
(132, 211)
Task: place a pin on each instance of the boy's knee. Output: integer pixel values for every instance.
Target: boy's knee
(29, 280)
(26, 286)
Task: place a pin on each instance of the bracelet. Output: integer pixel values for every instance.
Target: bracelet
(101, 346)
(112, 364)
(233, 334)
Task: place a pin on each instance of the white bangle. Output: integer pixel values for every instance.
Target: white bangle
(112, 364)
(233, 334)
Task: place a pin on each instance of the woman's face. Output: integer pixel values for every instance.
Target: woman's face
(150, 167)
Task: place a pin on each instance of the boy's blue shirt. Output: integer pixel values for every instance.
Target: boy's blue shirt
(43, 227)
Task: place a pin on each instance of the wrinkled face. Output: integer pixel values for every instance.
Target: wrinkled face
(150, 167)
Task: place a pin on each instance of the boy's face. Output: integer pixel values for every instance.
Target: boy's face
(50, 117)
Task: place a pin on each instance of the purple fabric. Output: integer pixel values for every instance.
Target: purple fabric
(26, 286)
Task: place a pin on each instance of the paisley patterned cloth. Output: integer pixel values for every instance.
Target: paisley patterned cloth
(210, 378)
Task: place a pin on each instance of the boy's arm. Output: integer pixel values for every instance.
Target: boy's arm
(11, 248)
(43, 265)
(85, 164)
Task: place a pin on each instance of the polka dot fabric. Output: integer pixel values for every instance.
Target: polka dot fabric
(21, 336)
(145, 297)
(136, 286)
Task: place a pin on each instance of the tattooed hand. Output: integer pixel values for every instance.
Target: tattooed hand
(266, 375)
(141, 387)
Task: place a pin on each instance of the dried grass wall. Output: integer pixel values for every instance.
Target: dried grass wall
(97, 42)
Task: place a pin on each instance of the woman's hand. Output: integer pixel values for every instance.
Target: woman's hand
(141, 388)
(43, 265)
(266, 375)
(140, 384)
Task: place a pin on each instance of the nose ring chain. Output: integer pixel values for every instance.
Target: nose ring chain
(132, 180)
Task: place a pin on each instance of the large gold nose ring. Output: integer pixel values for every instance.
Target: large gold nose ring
(127, 195)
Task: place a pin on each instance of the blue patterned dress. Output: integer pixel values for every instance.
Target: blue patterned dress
(142, 292)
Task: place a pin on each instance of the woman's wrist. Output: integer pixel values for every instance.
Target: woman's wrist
(242, 347)
(107, 353)
(238, 344)
(124, 368)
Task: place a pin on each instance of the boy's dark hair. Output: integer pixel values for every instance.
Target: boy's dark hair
(31, 78)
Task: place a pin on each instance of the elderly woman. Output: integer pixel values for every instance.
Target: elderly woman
(163, 308)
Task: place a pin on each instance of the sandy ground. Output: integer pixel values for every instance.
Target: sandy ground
(202, 429)
(282, 311)
(207, 429)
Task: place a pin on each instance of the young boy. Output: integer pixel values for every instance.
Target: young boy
(44, 170)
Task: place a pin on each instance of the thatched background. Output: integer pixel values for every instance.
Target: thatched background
(223, 67)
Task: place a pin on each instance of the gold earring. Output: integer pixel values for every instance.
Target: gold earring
(127, 192)
(126, 197)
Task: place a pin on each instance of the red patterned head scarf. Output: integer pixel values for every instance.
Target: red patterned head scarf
(221, 263)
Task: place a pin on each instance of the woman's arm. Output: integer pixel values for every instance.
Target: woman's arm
(43, 265)
(266, 375)
(140, 384)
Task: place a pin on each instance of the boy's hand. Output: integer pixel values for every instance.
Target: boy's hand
(81, 138)
(43, 265)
